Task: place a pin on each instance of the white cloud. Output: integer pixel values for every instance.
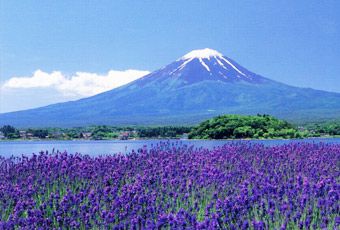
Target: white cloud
(81, 84)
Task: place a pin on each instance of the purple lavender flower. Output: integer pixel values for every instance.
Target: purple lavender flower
(236, 186)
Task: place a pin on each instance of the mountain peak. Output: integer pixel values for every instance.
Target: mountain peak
(213, 62)
(202, 53)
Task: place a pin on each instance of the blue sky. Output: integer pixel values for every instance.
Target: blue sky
(295, 42)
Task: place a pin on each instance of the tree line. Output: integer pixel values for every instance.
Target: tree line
(101, 132)
(221, 127)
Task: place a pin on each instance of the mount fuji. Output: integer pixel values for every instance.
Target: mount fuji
(199, 85)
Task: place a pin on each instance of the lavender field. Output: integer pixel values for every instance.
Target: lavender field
(168, 186)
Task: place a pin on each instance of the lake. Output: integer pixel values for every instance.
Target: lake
(94, 148)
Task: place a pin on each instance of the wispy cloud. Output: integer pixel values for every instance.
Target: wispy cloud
(80, 84)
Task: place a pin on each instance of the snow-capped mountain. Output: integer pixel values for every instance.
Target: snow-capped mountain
(207, 64)
(199, 85)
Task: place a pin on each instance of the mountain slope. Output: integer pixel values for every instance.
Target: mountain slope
(201, 84)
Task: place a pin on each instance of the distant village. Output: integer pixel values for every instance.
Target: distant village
(104, 132)
(25, 135)
(93, 133)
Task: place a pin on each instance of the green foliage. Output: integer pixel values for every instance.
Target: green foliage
(325, 128)
(237, 126)
(221, 127)
(72, 134)
(40, 133)
(101, 132)
(9, 132)
(162, 132)
(12, 135)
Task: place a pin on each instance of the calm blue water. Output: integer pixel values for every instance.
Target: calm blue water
(17, 148)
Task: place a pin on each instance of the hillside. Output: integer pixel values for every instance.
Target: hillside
(236, 126)
(197, 86)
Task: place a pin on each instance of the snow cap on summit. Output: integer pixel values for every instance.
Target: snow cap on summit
(202, 53)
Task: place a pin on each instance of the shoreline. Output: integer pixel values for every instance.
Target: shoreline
(161, 139)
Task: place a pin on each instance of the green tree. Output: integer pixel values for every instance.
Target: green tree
(243, 132)
(9, 131)
(40, 133)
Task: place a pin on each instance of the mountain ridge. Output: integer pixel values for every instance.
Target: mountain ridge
(199, 85)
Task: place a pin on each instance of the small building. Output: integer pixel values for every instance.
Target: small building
(56, 135)
(86, 135)
(22, 134)
(301, 128)
(185, 136)
(29, 135)
(124, 136)
(2, 136)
